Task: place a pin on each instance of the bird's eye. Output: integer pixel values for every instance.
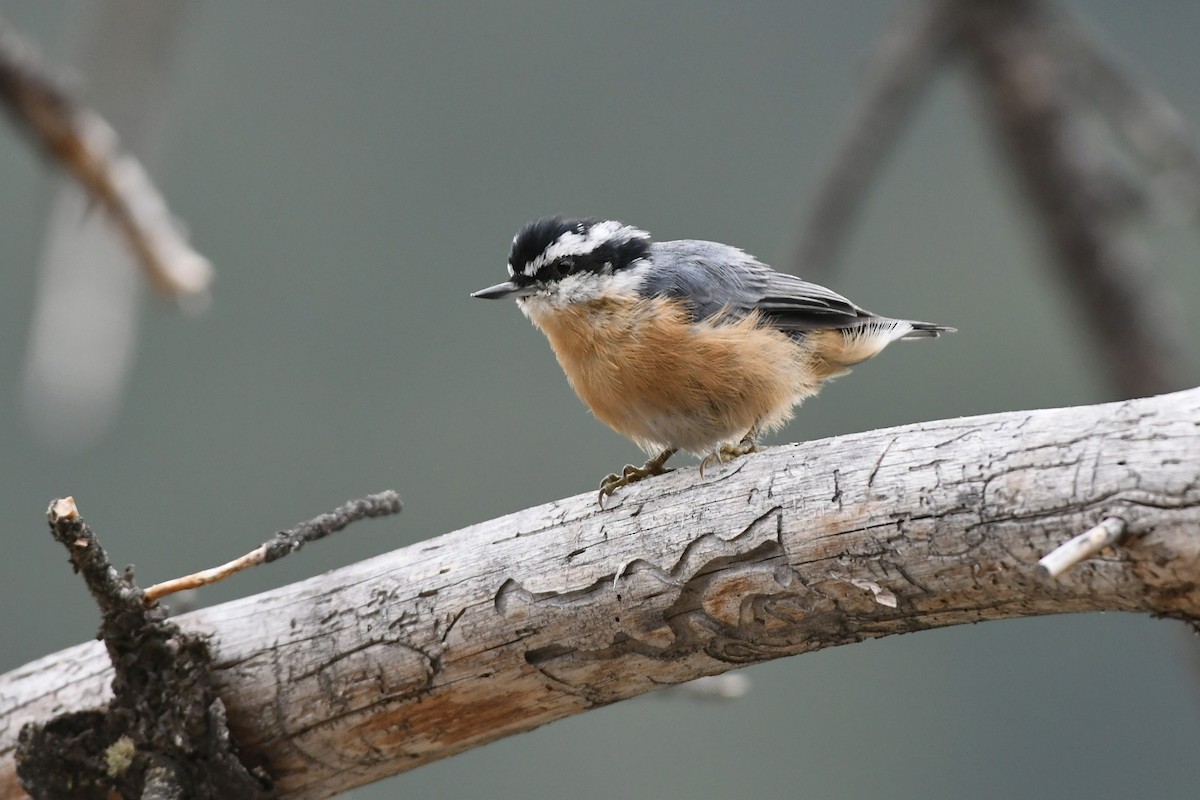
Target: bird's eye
(560, 268)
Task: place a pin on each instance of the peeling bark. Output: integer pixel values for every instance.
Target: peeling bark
(445, 645)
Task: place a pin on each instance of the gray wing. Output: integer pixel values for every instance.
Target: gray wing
(711, 277)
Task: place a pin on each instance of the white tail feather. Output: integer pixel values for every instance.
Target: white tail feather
(868, 340)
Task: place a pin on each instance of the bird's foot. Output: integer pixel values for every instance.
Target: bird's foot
(631, 474)
(728, 452)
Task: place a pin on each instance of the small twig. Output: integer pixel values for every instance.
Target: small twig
(206, 576)
(85, 145)
(284, 542)
(903, 64)
(1083, 546)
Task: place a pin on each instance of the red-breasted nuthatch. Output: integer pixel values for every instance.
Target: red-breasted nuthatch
(684, 345)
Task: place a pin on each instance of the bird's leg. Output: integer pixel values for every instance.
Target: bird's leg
(728, 452)
(631, 474)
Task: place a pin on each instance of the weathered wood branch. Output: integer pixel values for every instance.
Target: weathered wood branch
(445, 645)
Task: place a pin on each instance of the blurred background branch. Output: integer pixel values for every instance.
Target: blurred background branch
(84, 326)
(87, 147)
(1084, 203)
(901, 67)
(1056, 98)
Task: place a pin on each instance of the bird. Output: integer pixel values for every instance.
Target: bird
(688, 344)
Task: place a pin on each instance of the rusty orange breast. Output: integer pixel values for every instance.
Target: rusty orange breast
(645, 369)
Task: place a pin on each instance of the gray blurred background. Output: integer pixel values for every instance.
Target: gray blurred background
(355, 170)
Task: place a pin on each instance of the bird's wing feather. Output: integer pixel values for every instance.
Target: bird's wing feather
(714, 278)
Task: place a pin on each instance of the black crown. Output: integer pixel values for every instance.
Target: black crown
(533, 239)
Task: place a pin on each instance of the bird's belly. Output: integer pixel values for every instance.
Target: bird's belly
(665, 382)
(655, 429)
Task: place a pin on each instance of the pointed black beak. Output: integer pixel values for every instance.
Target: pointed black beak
(506, 289)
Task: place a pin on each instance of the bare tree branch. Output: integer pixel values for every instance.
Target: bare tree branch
(900, 69)
(445, 645)
(1082, 203)
(1043, 79)
(87, 308)
(85, 145)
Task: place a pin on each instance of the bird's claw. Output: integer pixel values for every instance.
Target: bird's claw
(630, 474)
(728, 452)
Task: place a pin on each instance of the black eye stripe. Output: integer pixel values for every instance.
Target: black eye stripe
(605, 260)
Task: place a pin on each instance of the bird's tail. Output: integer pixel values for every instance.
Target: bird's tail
(841, 348)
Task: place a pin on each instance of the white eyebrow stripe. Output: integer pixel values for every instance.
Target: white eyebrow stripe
(574, 243)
